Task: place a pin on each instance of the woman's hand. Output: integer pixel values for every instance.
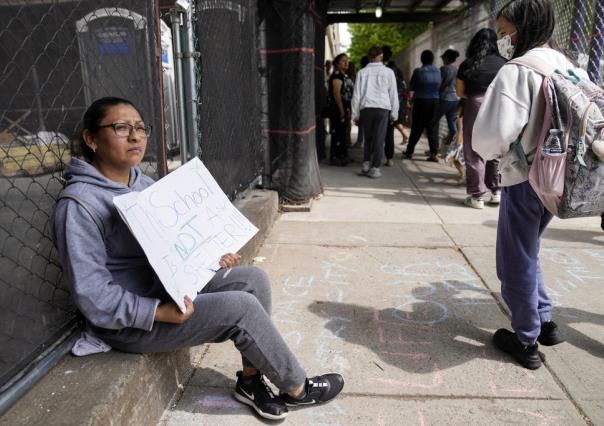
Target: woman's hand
(229, 260)
(170, 312)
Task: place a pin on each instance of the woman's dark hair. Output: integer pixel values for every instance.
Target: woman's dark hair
(93, 116)
(534, 21)
(337, 59)
(482, 44)
(427, 57)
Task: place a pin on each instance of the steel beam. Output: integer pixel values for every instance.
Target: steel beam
(354, 18)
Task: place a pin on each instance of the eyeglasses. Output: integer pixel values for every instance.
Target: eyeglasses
(123, 130)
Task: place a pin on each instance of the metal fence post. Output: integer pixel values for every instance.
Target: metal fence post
(180, 99)
(594, 68)
(494, 12)
(189, 78)
(264, 107)
(577, 38)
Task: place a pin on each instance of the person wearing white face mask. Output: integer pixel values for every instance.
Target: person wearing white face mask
(505, 46)
(513, 109)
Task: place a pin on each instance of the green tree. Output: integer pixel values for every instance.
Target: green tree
(397, 36)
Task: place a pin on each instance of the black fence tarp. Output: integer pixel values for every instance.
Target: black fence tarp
(290, 53)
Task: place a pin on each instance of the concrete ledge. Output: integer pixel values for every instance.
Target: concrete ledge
(125, 389)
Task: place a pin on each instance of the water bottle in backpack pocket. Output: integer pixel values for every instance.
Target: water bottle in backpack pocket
(551, 165)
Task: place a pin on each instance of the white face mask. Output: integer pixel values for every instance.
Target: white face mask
(505, 47)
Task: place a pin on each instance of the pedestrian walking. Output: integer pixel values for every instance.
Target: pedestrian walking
(374, 103)
(425, 84)
(339, 97)
(473, 78)
(513, 109)
(115, 288)
(400, 87)
(449, 101)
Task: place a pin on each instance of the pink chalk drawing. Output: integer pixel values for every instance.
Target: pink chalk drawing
(395, 327)
(421, 420)
(219, 402)
(498, 369)
(436, 381)
(415, 356)
(543, 419)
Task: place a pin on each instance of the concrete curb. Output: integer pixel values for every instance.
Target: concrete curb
(124, 389)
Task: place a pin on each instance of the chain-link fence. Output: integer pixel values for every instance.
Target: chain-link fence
(579, 30)
(228, 92)
(55, 58)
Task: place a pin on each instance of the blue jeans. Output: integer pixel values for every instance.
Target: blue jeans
(448, 109)
(522, 220)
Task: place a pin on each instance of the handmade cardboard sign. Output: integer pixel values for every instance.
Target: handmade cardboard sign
(185, 223)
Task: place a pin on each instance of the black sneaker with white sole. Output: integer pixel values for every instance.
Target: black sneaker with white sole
(526, 355)
(317, 390)
(253, 391)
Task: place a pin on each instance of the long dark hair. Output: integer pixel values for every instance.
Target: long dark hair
(482, 44)
(534, 21)
(93, 116)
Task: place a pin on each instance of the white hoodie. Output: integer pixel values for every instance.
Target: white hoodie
(515, 99)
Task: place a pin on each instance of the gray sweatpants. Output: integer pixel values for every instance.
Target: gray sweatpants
(235, 305)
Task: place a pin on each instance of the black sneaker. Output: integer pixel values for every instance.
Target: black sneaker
(508, 342)
(550, 335)
(317, 390)
(254, 391)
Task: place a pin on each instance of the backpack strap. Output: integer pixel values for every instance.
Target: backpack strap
(85, 206)
(545, 70)
(535, 64)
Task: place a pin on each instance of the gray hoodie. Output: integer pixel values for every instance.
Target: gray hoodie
(111, 280)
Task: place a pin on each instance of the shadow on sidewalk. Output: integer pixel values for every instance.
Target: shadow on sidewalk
(440, 323)
(416, 336)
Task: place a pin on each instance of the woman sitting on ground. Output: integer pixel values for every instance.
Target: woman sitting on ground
(122, 299)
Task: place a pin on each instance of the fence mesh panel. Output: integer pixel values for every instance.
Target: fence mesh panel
(55, 58)
(229, 107)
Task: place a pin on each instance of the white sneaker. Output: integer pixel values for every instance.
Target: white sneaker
(389, 163)
(495, 197)
(365, 167)
(476, 203)
(374, 173)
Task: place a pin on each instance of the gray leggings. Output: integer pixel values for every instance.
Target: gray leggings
(235, 305)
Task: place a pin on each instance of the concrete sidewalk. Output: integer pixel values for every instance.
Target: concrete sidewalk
(392, 283)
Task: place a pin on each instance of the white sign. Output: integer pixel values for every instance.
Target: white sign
(185, 223)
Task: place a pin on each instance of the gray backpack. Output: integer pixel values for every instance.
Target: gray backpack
(570, 184)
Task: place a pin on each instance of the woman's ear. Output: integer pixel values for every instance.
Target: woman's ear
(89, 139)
